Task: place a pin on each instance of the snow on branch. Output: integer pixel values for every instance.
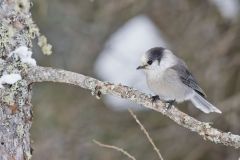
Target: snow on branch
(24, 54)
(9, 79)
(205, 130)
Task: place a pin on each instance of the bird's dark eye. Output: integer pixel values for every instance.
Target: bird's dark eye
(149, 62)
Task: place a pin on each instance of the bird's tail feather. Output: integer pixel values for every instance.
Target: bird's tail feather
(202, 104)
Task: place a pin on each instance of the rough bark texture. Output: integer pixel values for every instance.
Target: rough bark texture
(16, 29)
(41, 74)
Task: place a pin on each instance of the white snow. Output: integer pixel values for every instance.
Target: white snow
(24, 54)
(118, 61)
(228, 8)
(9, 79)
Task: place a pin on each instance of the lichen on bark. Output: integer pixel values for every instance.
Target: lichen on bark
(16, 29)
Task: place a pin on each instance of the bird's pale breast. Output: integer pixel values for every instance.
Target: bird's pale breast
(168, 86)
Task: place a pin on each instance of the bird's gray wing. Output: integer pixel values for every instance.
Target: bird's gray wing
(187, 78)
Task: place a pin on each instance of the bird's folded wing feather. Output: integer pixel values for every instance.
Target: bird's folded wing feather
(187, 78)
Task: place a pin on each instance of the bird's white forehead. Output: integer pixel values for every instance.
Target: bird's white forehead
(144, 58)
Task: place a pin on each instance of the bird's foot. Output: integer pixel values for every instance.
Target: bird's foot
(97, 92)
(170, 103)
(155, 98)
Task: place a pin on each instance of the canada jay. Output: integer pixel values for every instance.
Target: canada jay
(168, 77)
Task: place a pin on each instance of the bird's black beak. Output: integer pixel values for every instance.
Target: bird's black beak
(141, 67)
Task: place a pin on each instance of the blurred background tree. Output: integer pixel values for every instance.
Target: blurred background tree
(204, 33)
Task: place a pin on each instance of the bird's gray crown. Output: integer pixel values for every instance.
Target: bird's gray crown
(155, 53)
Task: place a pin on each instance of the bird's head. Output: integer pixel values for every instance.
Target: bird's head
(152, 58)
(157, 59)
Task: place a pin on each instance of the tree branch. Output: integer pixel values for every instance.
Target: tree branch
(205, 130)
(115, 148)
(146, 134)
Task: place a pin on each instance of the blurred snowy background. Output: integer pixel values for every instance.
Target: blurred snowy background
(105, 39)
(121, 55)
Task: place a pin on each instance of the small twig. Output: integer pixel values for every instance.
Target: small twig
(115, 148)
(147, 134)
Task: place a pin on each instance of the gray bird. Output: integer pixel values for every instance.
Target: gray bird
(168, 77)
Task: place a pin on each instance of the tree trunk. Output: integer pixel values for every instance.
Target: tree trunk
(16, 29)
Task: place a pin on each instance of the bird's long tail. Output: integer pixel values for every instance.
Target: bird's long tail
(202, 104)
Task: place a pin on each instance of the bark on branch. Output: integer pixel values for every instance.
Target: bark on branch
(205, 130)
